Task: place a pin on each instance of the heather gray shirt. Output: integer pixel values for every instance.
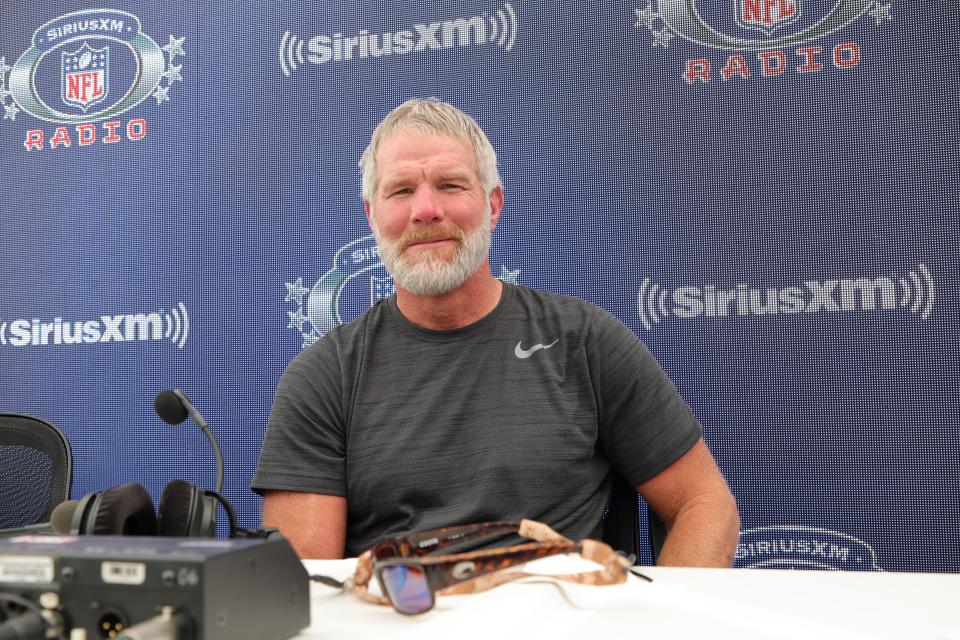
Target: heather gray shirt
(519, 415)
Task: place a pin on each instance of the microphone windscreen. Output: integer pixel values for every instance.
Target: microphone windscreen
(169, 407)
(62, 516)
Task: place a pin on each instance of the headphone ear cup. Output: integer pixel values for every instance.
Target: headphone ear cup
(186, 511)
(79, 523)
(124, 510)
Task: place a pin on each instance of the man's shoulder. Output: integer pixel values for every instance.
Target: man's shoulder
(344, 339)
(541, 302)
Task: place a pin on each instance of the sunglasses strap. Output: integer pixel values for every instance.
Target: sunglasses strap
(359, 582)
(614, 571)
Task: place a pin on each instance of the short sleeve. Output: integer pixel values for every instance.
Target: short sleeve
(644, 424)
(304, 448)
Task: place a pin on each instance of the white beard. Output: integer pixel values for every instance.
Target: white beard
(430, 274)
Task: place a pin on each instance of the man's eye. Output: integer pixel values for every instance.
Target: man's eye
(449, 186)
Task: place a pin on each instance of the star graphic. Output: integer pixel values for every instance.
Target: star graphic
(513, 277)
(173, 73)
(296, 291)
(309, 338)
(296, 319)
(10, 111)
(881, 12)
(646, 17)
(4, 67)
(662, 38)
(175, 47)
(161, 94)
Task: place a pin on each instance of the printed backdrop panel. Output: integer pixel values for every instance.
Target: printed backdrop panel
(766, 192)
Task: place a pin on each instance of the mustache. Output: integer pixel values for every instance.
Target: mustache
(430, 234)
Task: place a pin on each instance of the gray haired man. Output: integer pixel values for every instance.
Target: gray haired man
(464, 399)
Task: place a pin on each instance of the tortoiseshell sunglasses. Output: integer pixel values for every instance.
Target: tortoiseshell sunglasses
(410, 576)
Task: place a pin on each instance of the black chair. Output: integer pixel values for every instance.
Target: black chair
(36, 470)
(622, 525)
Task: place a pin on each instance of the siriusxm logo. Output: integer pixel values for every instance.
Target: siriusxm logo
(803, 547)
(132, 327)
(500, 29)
(914, 292)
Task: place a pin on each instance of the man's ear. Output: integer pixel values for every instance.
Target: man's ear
(496, 204)
(366, 210)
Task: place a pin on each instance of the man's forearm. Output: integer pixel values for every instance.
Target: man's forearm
(703, 534)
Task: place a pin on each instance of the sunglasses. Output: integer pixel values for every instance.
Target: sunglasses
(411, 573)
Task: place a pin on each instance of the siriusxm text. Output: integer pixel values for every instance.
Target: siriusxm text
(116, 328)
(85, 26)
(859, 294)
(460, 32)
(809, 548)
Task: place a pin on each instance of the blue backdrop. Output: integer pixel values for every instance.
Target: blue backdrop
(764, 190)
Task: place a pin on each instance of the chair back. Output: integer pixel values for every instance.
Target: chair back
(622, 523)
(36, 470)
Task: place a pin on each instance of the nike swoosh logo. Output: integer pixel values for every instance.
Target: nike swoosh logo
(522, 353)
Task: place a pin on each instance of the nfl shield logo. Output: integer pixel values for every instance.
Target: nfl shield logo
(85, 76)
(766, 15)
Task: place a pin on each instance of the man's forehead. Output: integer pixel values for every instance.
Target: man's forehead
(410, 147)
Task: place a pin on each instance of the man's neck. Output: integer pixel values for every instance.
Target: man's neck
(468, 303)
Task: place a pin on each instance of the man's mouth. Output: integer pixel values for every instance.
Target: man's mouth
(429, 240)
(425, 244)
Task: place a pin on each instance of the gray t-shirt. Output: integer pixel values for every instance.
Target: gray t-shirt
(519, 415)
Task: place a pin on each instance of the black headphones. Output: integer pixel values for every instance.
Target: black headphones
(127, 510)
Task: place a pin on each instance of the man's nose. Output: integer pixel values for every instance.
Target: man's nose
(426, 206)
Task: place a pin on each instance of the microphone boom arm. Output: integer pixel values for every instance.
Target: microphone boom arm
(206, 431)
(216, 454)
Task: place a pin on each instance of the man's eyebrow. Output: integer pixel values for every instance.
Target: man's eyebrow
(390, 183)
(456, 176)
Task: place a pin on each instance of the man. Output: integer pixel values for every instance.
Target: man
(463, 399)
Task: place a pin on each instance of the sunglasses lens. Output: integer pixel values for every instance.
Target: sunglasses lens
(407, 588)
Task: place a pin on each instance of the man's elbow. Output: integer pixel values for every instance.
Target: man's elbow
(731, 532)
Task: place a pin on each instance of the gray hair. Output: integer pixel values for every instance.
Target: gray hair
(433, 116)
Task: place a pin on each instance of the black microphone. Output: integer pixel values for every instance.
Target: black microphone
(173, 407)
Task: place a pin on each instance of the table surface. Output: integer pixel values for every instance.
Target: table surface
(679, 603)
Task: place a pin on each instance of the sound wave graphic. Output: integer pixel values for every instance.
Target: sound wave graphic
(652, 305)
(177, 324)
(915, 295)
(291, 53)
(504, 27)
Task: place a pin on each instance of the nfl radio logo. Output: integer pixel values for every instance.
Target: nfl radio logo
(766, 15)
(85, 76)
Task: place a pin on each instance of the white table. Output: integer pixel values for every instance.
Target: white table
(680, 603)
